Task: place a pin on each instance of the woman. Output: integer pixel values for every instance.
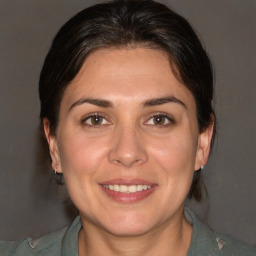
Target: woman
(126, 92)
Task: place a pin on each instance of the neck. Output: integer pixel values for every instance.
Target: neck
(172, 238)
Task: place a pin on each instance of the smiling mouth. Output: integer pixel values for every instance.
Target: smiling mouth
(127, 188)
(125, 191)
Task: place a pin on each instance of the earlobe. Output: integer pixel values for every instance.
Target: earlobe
(204, 146)
(52, 143)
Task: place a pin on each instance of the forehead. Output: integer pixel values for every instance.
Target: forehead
(125, 74)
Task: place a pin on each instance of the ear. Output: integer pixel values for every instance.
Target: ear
(53, 147)
(204, 146)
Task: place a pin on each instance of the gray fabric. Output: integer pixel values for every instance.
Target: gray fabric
(64, 242)
(207, 242)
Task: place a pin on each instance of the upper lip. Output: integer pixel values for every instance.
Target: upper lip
(122, 181)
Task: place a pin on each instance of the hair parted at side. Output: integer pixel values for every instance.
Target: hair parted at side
(128, 23)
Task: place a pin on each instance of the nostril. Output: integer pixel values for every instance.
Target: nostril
(127, 162)
(127, 147)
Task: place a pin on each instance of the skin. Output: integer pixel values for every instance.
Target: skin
(129, 144)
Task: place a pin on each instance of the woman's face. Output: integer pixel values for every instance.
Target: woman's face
(128, 141)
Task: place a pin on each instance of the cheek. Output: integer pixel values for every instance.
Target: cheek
(175, 155)
(81, 161)
(80, 154)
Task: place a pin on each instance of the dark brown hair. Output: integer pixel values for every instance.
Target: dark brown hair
(128, 23)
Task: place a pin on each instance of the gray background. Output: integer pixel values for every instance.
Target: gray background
(30, 202)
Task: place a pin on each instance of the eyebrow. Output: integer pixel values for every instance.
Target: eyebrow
(148, 103)
(163, 100)
(96, 102)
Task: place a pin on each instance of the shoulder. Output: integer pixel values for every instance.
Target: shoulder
(53, 244)
(47, 245)
(235, 248)
(207, 242)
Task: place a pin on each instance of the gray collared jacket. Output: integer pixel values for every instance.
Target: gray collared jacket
(64, 242)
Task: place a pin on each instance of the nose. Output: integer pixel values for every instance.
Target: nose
(127, 148)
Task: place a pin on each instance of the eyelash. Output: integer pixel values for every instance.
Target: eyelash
(94, 115)
(161, 115)
(101, 116)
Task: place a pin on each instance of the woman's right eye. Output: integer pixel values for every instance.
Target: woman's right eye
(95, 120)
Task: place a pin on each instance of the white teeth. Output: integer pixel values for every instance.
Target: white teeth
(139, 187)
(123, 188)
(116, 188)
(145, 187)
(127, 189)
(132, 189)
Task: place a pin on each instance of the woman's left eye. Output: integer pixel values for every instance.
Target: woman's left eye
(159, 120)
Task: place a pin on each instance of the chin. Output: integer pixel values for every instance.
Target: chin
(121, 230)
(133, 224)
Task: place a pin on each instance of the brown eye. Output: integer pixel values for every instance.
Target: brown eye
(95, 120)
(159, 120)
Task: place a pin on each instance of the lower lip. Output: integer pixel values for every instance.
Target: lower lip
(128, 197)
